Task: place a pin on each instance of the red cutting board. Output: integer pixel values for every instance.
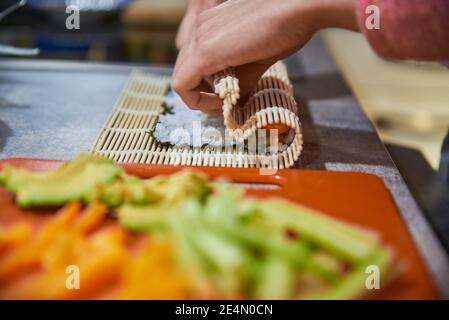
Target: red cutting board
(356, 198)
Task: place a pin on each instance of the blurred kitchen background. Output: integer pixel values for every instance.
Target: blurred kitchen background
(408, 102)
(141, 31)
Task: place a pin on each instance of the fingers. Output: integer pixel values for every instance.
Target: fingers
(206, 53)
(188, 79)
(207, 102)
(186, 27)
(183, 31)
(248, 76)
(191, 85)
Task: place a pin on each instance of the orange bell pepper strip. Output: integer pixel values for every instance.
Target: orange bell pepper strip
(91, 219)
(98, 259)
(28, 255)
(154, 274)
(14, 235)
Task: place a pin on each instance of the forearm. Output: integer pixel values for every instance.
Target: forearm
(332, 13)
(409, 29)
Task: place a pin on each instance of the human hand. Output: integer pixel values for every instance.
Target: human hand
(250, 36)
(187, 25)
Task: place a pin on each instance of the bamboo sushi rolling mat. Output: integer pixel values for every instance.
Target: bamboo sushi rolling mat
(126, 136)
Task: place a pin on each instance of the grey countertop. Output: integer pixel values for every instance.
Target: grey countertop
(51, 109)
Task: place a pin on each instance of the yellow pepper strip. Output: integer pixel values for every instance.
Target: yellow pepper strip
(14, 235)
(154, 274)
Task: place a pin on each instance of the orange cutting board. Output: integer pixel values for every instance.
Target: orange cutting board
(356, 198)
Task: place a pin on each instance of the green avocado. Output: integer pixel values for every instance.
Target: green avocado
(143, 218)
(74, 180)
(123, 191)
(148, 203)
(169, 190)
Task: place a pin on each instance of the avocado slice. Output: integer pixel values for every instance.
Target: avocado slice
(160, 197)
(74, 180)
(125, 190)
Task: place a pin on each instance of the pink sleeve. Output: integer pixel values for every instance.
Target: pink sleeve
(409, 29)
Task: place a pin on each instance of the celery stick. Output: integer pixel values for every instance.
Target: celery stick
(228, 259)
(225, 255)
(276, 281)
(353, 286)
(143, 218)
(325, 266)
(185, 248)
(324, 232)
(357, 232)
(263, 240)
(224, 203)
